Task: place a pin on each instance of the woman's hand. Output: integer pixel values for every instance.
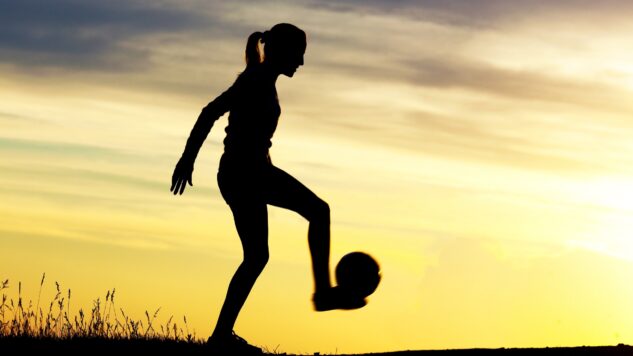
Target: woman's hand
(182, 175)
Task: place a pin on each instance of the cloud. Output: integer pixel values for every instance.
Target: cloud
(13, 118)
(466, 110)
(425, 61)
(442, 12)
(448, 73)
(111, 237)
(71, 166)
(85, 34)
(63, 149)
(463, 138)
(479, 14)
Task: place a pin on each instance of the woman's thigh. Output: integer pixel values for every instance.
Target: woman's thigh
(251, 222)
(242, 181)
(284, 191)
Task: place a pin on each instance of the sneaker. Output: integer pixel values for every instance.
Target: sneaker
(232, 345)
(336, 298)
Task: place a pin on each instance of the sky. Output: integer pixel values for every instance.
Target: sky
(479, 150)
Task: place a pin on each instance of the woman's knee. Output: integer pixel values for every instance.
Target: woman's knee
(320, 212)
(257, 260)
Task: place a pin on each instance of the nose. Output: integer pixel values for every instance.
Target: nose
(301, 60)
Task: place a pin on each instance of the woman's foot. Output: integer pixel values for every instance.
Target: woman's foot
(232, 345)
(336, 298)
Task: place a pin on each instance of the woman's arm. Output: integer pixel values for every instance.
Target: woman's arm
(210, 113)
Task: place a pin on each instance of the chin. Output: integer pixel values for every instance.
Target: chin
(290, 73)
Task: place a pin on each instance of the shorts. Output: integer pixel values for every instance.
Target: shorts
(255, 180)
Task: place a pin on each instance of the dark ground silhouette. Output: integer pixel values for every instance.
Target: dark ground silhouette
(91, 346)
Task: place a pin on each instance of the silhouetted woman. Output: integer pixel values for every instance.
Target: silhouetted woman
(248, 180)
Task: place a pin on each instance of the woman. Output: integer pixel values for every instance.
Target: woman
(248, 180)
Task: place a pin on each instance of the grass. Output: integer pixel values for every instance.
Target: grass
(27, 328)
(21, 319)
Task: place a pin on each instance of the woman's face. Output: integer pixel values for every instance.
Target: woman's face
(288, 58)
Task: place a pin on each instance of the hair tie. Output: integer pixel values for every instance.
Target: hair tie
(265, 36)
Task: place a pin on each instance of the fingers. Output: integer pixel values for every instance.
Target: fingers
(178, 185)
(174, 187)
(179, 181)
(174, 181)
(183, 184)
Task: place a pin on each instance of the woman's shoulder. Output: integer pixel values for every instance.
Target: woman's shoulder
(249, 79)
(252, 74)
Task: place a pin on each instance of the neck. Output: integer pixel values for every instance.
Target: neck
(270, 72)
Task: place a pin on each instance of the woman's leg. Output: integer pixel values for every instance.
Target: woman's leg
(285, 191)
(251, 221)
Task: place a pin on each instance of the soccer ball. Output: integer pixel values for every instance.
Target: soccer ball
(358, 274)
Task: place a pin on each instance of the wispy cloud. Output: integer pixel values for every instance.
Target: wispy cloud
(423, 51)
(85, 34)
(479, 14)
(62, 149)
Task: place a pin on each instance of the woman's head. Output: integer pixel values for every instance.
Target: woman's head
(284, 47)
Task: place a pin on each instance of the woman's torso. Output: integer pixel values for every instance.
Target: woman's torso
(253, 117)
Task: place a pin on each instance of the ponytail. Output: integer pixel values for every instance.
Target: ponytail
(252, 54)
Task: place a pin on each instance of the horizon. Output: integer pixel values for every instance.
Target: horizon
(479, 150)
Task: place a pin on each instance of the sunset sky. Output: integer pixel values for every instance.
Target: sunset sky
(481, 151)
